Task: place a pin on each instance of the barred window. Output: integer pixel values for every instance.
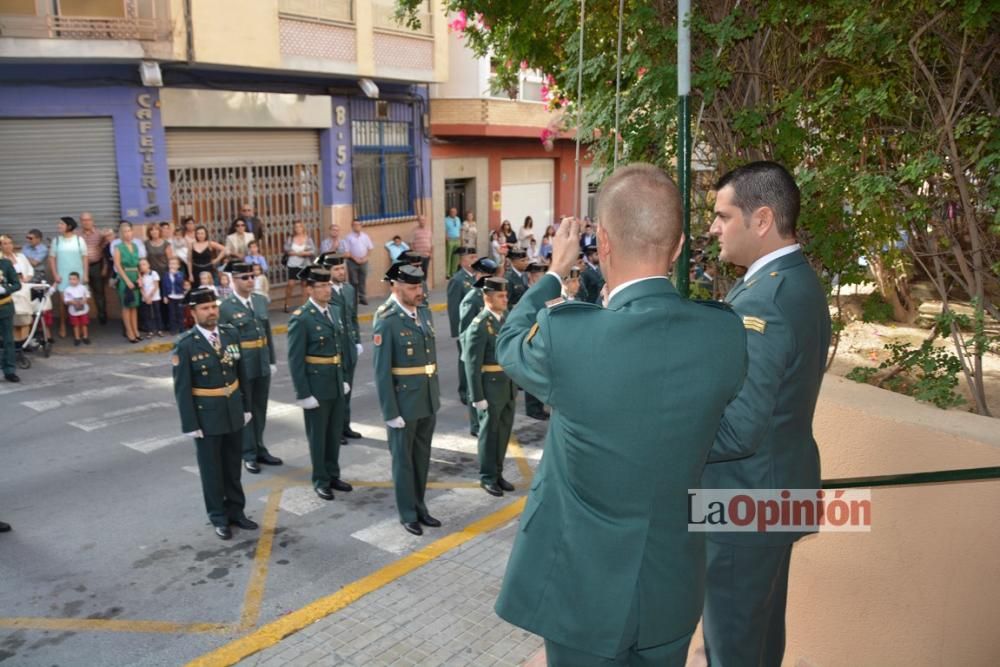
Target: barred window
(383, 168)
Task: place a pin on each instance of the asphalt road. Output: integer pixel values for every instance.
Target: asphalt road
(112, 560)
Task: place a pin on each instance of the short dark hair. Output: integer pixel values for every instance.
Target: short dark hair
(769, 184)
(37, 233)
(74, 273)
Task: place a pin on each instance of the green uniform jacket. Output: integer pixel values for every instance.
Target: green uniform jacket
(517, 285)
(345, 302)
(788, 337)
(400, 343)
(458, 287)
(479, 347)
(198, 366)
(312, 333)
(591, 284)
(471, 304)
(12, 283)
(251, 327)
(606, 519)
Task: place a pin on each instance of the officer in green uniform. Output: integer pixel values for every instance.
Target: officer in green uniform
(604, 566)
(533, 407)
(458, 286)
(246, 311)
(784, 310)
(591, 278)
(471, 305)
(343, 299)
(490, 390)
(209, 376)
(408, 393)
(316, 364)
(517, 281)
(10, 282)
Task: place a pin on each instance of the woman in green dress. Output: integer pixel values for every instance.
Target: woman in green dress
(127, 267)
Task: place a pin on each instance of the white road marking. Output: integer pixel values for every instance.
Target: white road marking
(147, 445)
(45, 405)
(299, 500)
(62, 363)
(192, 469)
(133, 413)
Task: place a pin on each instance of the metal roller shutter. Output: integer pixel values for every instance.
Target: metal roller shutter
(225, 147)
(51, 167)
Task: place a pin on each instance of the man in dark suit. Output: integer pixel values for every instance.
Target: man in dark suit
(517, 280)
(604, 566)
(591, 278)
(784, 310)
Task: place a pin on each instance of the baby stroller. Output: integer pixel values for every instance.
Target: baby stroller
(38, 336)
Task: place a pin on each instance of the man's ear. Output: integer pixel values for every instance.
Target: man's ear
(762, 221)
(677, 250)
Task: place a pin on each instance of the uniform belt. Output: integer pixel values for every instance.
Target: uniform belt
(428, 370)
(226, 391)
(335, 359)
(5, 300)
(491, 368)
(253, 344)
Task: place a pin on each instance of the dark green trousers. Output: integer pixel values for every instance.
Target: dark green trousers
(7, 333)
(463, 382)
(324, 426)
(219, 467)
(745, 592)
(671, 654)
(410, 447)
(495, 425)
(533, 406)
(349, 379)
(253, 434)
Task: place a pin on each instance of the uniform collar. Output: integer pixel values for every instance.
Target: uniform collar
(768, 258)
(411, 313)
(316, 305)
(206, 334)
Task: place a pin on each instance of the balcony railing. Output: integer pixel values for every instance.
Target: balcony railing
(144, 20)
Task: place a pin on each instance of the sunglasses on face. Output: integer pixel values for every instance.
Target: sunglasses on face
(246, 276)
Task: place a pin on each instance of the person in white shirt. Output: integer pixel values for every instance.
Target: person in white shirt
(150, 316)
(76, 296)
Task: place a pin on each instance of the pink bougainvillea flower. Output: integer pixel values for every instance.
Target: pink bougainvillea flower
(459, 23)
(641, 72)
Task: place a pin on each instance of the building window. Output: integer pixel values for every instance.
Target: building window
(383, 168)
(527, 89)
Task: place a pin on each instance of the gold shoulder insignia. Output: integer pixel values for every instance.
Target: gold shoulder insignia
(298, 311)
(754, 324)
(774, 274)
(554, 302)
(532, 332)
(750, 283)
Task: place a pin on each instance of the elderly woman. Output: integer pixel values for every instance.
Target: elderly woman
(126, 254)
(22, 298)
(301, 250)
(68, 254)
(238, 240)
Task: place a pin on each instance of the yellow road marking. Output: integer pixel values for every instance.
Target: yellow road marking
(113, 625)
(254, 596)
(271, 633)
(522, 463)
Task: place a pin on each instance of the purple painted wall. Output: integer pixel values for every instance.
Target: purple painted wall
(338, 187)
(140, 142)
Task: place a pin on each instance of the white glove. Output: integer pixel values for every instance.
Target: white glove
(3, 290)
(359, 347)
(195, 434)
(396, 423)
(347, 388)
(247, 416)
(274, 368)
(480, 405)
(308, 403)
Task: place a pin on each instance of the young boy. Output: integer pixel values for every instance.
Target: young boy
(77, 296)
(254, 257)
(173, 290)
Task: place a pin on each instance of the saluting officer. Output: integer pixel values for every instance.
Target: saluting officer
(343, 299)
(458, 286)
(591, 278)
(491, 392)
(315, 361)
(246, 312)
(209, 376)
(408, 392)
(517, 282)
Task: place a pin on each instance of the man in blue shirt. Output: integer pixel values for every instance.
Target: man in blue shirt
(452, 234)
(396, 247)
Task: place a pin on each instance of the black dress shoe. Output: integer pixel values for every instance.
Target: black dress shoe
(474, 434)
(341, 485)
(324, 493)
(492, 489)
(4, 527)
(429, 521)
(414, 528)
(541, 416)
(505, 485)
(252, 467)
(352, 434)
(465, 401)
(223, 532)
(343, 439)
(11, 377)
(245, 523)
(269, 460)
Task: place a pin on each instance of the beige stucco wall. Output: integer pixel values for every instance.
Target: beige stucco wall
(236, 32)
(923, 587)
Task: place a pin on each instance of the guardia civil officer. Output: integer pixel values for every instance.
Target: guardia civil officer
(343, 299)
(533, 407)
(10, 282)
(408, 392)
(316, 364)
(209, 376)
(591, 278)
(784, 310)
(604, 566)
(246, 312)
(490, 390)
(458, 286)
(470, 306)
(517, 281)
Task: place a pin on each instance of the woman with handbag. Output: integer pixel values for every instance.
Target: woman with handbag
(127, 267)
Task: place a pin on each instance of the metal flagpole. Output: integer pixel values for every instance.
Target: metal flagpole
(682, 269)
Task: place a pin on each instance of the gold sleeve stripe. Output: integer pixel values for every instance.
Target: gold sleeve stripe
(532, 332)
(754, 324)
